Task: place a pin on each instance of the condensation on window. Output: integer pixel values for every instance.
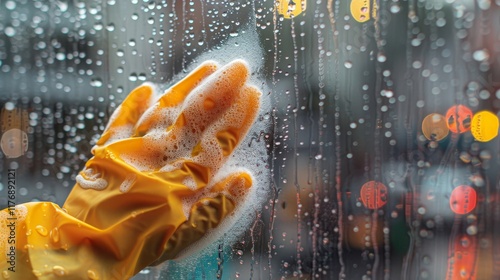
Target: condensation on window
(383, 152)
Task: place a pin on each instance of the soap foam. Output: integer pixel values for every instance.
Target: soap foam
(181, 138)
(93, 181)
(127, 183)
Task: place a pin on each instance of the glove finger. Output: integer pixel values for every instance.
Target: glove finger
(178, 93)
(210, 100)
(223, 136)
(127, 114)
(207, 214)
(159, 114)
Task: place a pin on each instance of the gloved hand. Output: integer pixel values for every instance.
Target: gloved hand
(148, 193)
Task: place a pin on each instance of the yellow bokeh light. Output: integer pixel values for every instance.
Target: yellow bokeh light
(360, 10)
(484, 126)
(434, 127)
(291, 8)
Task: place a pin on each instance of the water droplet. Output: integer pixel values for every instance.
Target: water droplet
(54, 235)
(41, 230)
(110, 27)
(465, 242)
(10, 5)
(239, 252)
(5, 274)
(348, 64)
(472, 230)
(60, 56)
(10, 31)
(98, 26)
(381, 57)
(481, 55)
(132, 77)
(96, 82)
(59, 270)
(395, 8)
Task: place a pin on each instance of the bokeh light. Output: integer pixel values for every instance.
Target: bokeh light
(434, 127)
(291, 9)
(360, 10)
(484, 126)
(373, 195)
(459, 118)
(463, 199)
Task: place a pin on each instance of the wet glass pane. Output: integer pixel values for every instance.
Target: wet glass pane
(374, 154)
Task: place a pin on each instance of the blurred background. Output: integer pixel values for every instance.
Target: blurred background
(377, 173)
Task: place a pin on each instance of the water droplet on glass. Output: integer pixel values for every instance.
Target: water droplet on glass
(10, 31)
(58, 270)
(10, 5)
(481, 55)
(41, 230)
(54, 235)
(395, 8)
(381, 57)
(96, 82)
(132, 77)
(98, 26)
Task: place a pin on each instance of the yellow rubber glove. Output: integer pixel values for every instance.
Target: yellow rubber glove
(148, 192)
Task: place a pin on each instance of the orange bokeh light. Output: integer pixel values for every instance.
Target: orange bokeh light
(463, 199)
(459, 118)
(373, 194)
(434, 127)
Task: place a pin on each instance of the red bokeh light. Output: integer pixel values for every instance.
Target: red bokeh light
(459, 118)
(373, 194)
(463, 199)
